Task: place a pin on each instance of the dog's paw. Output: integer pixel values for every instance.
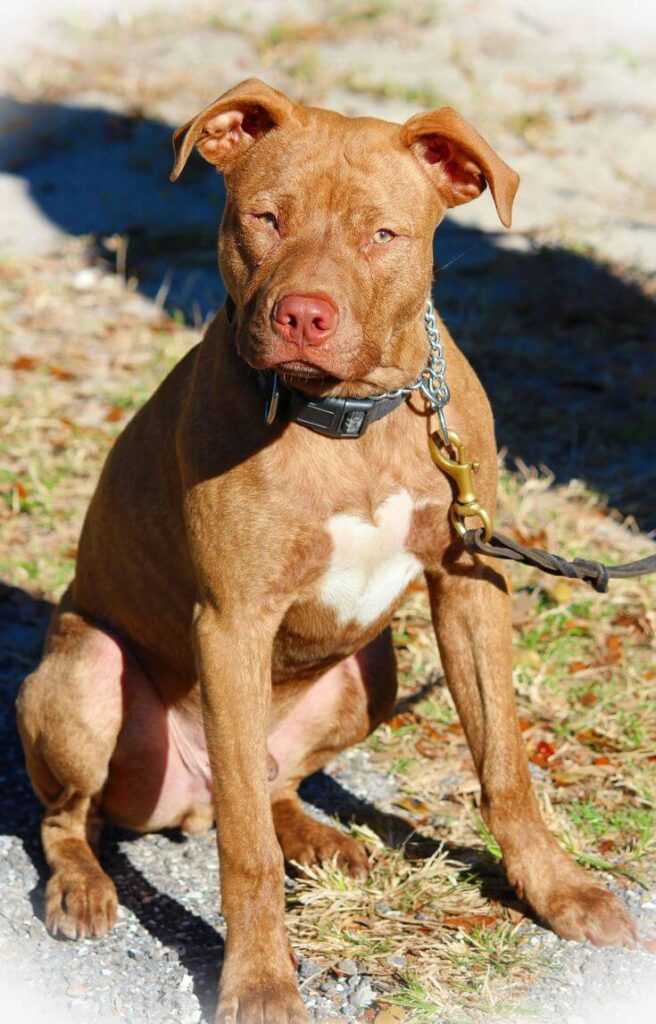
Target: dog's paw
(80, 903)
(589, 911)
(306, 841)
(261, 1001)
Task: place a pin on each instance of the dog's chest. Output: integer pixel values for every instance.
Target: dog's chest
(370, 563)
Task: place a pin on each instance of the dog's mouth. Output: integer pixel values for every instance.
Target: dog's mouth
(297, 372)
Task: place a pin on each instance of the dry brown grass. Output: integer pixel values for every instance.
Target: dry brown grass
(420, 923)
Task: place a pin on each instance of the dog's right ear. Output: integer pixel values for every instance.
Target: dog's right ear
(224, 130)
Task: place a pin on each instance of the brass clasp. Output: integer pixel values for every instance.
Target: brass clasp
(461, 472)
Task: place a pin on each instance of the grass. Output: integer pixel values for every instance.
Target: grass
(423, 95)
(419, 913)
(531, 126)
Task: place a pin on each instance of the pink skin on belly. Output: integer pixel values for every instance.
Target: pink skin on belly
(160, 770)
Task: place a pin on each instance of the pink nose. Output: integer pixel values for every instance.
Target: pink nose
(304, 319)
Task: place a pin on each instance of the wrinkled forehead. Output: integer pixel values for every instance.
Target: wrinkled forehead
(336, 163)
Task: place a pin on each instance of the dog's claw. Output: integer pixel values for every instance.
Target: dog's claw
(589, 911)
(307, 842)
(266, 1002)
(80, 905)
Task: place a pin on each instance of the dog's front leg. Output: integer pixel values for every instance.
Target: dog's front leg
(258, 981)
(471, 614)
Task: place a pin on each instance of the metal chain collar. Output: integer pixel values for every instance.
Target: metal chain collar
(431, 382)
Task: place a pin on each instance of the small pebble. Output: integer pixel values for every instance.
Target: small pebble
(363, 995)
(308, 968)
(76, 990)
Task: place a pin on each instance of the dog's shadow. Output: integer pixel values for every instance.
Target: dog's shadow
(197, 945)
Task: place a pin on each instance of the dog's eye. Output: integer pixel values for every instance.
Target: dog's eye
(384, 235)
(268, 218)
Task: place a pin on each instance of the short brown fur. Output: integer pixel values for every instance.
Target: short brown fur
(193, 669)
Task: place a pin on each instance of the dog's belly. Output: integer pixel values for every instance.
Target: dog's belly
(370, 566)
(159, 773)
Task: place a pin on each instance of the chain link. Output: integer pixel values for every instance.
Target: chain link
(431, 382)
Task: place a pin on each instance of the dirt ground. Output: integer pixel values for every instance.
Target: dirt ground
(107, 273)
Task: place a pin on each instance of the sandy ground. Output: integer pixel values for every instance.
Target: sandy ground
(565, 90)
(567, 93)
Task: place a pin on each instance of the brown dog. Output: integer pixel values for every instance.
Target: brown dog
(226, 630)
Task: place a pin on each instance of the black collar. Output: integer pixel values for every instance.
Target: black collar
(333, 416)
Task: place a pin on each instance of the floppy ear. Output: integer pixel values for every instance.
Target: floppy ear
(225, 129)
(459, 162)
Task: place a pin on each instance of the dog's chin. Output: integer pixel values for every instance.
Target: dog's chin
(306, 376)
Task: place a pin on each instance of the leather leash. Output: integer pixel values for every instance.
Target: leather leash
(486, 541)
(596, 574)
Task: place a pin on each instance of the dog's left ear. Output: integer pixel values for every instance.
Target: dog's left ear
(225, 129)
(459, 161)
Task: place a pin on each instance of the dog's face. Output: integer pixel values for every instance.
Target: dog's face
(326, 240)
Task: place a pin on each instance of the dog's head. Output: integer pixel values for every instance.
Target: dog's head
(326, 240)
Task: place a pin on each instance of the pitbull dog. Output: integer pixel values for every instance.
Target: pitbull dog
(227, 630)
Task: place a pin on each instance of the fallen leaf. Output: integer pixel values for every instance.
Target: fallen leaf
(545, 749)
(426, 748)
(563, 779)
(578, 624)
(578, 666)
(411, 804)
(60, 373)
(631, 620)
(588, 698)
(532, 540)
(469, 921)
(606, 845)
(614, 644)
(525, 723)
(601, 760)
(562, 592)
(597, 740)
(431, 732)
(115, 414)
(390, 1015)
(25, 363)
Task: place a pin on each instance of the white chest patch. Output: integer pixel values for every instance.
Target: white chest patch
(369, 566)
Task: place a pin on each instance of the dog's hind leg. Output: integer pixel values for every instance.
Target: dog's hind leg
(341, 708)
(69, 716)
